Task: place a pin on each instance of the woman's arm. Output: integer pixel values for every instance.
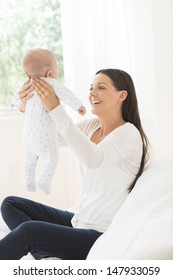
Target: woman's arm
(112, 149)
(117, 147)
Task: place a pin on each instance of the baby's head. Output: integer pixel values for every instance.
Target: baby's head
(40, 63)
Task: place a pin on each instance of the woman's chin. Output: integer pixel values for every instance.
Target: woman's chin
(94, 112)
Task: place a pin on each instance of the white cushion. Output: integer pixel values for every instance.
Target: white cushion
(143, 226)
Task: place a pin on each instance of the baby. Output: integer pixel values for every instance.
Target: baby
(40, 135)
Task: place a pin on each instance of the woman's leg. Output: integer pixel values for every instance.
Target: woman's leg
(51, 239)
(17, 210)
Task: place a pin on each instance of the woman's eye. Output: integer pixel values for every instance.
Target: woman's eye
(101, 87)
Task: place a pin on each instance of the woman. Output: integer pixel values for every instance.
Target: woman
(112, 149)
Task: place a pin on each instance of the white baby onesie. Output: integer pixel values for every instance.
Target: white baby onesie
(40, 137)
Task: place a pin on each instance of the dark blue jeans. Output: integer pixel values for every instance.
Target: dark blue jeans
(43, 231)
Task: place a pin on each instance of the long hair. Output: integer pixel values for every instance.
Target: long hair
(130, 112)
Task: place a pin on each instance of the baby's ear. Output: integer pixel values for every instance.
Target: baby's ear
(49, 74)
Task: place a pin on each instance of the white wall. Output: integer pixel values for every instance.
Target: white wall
(133, 35)
(65, 186)
(159, 129)
(163, 58)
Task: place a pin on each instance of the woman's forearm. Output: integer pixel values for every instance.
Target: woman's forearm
(116, 147)
(87, 152)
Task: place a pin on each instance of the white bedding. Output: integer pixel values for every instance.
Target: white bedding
(143, 227)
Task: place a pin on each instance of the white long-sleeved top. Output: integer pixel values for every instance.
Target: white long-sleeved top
(106, 169)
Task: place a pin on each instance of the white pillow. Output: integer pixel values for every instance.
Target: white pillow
(143, 226)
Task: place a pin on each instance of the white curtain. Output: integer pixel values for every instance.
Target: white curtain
(120, 34)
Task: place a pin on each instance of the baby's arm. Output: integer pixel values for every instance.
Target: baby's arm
(17, 104)
(15, 101)
(21, 96)
(67, 96)
(82, 110)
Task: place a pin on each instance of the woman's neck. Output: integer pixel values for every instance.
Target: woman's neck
(108, 124)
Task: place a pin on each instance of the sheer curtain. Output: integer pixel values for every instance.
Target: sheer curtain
(120, 34)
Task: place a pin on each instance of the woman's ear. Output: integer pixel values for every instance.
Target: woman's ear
(123, 95)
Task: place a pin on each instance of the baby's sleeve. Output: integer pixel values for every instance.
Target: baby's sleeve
(15, 101)
(67, 96)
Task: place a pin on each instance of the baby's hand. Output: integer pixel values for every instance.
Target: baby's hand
(82, 110)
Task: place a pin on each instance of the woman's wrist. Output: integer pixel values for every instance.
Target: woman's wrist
(46, 94)
(51, 104)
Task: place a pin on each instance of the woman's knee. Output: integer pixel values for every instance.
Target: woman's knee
(6, 203)
(24, 234)
(9, 199)
(26, 227)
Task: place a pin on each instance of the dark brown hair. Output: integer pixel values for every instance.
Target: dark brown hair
(130, 113)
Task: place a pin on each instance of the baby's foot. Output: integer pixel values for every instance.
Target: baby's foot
(44, 187)
(31, 187)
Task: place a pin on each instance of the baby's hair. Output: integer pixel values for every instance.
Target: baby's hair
(37, 62)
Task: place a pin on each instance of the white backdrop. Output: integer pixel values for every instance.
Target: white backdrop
(109, 34)
(133, 35)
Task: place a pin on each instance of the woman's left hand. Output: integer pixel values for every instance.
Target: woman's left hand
(46, 94)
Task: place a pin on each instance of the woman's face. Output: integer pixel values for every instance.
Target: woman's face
(104, 97)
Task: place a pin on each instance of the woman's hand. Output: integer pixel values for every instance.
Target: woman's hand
(46, 94)
(25, 94)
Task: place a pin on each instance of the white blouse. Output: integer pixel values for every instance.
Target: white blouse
(106, 169)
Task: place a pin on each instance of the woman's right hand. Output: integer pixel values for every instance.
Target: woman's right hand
(25, 94)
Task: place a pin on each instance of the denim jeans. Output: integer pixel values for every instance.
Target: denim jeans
(43, 231)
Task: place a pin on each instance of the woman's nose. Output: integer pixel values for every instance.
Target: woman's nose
(93, 92)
